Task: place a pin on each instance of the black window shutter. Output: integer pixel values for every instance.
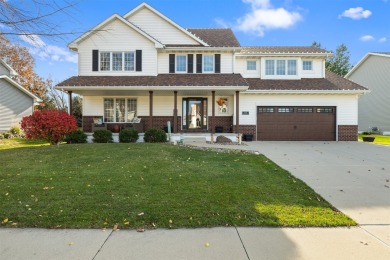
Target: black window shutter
(95, 60)
(217, 63)
(190, 63)
(199, 63)
(138, 60)
(171, 63)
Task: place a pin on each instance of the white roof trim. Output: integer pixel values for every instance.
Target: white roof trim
(12, 72)
(152, 88)
(28, 93)
(363, 60)
(73, 44)
(166, 19)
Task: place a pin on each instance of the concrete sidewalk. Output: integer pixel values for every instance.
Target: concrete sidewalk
(213, 243)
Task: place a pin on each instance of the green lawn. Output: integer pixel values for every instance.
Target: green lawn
(152, 186)
(379, 139)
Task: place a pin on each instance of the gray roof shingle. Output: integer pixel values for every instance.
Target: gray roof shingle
(331, 82)
(160, 80)
(283, 49)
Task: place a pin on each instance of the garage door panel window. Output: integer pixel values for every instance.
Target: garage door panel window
(266, 110)
(305, 110)
(324, 110)
(285, 110)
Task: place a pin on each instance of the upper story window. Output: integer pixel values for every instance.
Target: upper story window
(105, 63)
(307, 65)
(181, 63)
(117, 61)
(281, 67)
(208, 63)
(250, 65)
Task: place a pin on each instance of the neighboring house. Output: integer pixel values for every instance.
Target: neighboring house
(15, 101)
(144, 65)
(373, 72)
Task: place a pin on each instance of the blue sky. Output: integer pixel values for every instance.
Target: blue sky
(363, 25)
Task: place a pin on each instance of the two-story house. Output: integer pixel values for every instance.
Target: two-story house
(145, 66)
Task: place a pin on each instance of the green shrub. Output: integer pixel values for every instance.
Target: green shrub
(16, 131)
(1, 136)
(76, 137)
(154, 135)
(129, 135)
(102, 136)
(7, 135)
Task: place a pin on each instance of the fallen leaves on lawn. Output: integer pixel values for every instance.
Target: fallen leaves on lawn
(140, 230)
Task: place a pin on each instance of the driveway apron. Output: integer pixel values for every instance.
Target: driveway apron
(353, 176)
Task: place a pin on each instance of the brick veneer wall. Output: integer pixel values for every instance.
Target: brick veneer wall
(160, 121)
(225, 121)
(348, 132)
(247, 130)
(87, 123)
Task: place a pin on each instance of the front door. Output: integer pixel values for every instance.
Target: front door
(194, 113)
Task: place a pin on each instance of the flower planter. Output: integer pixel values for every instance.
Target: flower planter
(368, 139)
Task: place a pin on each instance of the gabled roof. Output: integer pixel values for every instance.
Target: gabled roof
(332, 83)
(216, 37)
(12, 72)
(145, 5)
(354, 68)
(284, 50)
(73, 44)
(22, 89)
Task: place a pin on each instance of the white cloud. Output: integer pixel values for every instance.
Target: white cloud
(48, 52)
(367, 38)
(383, 39)
(264, 16)
(220, 22)
(356, 13)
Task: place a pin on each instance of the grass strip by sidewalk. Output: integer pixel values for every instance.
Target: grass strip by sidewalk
(152, 186)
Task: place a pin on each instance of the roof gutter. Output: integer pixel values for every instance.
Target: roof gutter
(167, 49)
(172, 88)
(340, 92)
(284, 54)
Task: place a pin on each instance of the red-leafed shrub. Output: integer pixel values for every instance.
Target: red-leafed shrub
(51, 125)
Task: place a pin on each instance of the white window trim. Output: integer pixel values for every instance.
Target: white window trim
(123, 61)
(203, 57)
(126, 109)
(186, 63)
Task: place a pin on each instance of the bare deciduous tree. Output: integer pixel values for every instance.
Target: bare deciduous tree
(34, 17)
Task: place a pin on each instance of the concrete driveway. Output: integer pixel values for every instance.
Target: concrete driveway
(353, 176)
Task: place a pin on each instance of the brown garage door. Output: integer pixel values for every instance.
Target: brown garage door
(296, 123)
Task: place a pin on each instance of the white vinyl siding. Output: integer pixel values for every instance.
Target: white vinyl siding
(4, 70)
(117, 37)
(159, 28)
(317, 71)
(374, 108)
(14, 105)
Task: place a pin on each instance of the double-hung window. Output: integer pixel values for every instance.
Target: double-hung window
(129, 60)
(307, 65)
(251, 65)
(181, 63)
(280, 67)
(208, 63)
(119, 110)
(117, 61)
(105, 58)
